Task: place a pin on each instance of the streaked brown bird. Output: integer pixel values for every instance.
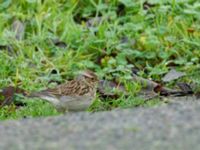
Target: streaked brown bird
(74, 95)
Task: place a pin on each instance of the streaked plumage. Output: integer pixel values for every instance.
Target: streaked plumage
(75, 95)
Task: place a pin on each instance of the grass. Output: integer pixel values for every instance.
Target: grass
(150, 35)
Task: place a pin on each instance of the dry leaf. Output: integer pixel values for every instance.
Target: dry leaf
(8, 93)
(105, 89)
(172, 75)
(185, 88)
(18, 28)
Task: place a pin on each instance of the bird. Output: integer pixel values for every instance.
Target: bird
(75, 95)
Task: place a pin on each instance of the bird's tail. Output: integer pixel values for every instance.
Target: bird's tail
(44, 95)
(37, 94)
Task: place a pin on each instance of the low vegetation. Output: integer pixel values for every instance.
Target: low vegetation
(111, 37)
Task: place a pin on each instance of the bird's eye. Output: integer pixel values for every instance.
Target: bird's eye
(92, 79)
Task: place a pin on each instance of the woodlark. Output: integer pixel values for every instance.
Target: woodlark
(75, 95)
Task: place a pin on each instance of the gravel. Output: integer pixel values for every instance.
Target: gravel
(175, 126)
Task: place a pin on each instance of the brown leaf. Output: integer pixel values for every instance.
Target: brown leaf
(190, 30)
(158, 88)
(162, 91)
(7, 94)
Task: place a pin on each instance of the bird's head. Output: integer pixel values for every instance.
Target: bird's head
(88, 75)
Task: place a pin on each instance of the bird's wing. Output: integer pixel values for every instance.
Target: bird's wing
(71, 88)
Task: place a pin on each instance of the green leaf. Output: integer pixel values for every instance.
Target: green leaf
(5, 4)
(127, 3)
